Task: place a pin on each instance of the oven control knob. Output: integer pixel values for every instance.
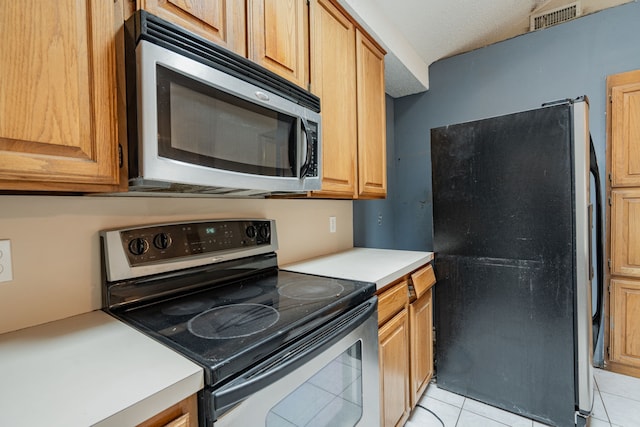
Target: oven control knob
(138, 246)
(162, 241)
(265, 233)
(251, 231)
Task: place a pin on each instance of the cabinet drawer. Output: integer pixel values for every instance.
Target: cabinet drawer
(182, 414)
(392, 301)
(421, 281)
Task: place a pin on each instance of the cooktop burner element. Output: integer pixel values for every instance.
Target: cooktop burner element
(233, 321)
(312, 288)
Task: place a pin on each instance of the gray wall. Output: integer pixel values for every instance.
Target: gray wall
(374, 220)
(565, 61)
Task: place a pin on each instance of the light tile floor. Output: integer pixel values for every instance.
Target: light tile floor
(616, 404)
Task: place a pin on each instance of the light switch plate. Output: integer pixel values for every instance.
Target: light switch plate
(6, 272)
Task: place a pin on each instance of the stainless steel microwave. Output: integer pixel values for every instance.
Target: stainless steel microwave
(203, 120)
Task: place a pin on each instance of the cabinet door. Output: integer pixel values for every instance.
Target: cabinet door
(221, 21)
(625, 232)
(625, 130)
(625, 327)
(394, 370)
(372, 157)
(333, 79)
(58, 102)
(421, 327)
(278, 37)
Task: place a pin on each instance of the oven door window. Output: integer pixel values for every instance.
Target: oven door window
(332, 397)
(199, 124)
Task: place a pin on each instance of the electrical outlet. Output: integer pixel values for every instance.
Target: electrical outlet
(6, 273)
(332, 224)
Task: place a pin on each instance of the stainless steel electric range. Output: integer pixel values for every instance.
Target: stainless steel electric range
(277, 348)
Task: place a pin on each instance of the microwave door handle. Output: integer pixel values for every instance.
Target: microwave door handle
(308, 149)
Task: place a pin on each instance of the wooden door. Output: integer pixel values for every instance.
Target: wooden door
(372, 147)
(58, 100)
(333, 79)
(220, 21)
(625, 327)
(278, 37)
(421, 328)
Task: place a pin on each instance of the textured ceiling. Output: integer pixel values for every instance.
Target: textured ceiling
(436, 29)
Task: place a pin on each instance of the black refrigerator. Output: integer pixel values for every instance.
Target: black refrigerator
(512, 243)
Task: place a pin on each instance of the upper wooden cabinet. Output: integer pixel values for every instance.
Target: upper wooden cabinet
(278, 37)
(333, 59)
(372, 146)
(272, 33)
(59, 87)
(347, 73)
(221, 21)
(625, 130)
(58, 99)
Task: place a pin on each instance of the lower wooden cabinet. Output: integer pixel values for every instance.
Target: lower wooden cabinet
(393, 338)
(421, 343)
(405, 335)
(182, 414)
(625, 328)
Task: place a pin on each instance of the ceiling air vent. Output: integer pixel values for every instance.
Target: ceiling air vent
(555, 16)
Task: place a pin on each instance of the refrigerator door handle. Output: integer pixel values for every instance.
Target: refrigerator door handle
(599, 226)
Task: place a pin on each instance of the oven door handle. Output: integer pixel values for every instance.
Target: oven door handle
(290, 359)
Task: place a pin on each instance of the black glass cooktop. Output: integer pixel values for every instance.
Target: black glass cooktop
(229, 328)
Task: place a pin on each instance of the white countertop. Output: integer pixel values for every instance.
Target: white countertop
(87, 370)
(379, 266)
